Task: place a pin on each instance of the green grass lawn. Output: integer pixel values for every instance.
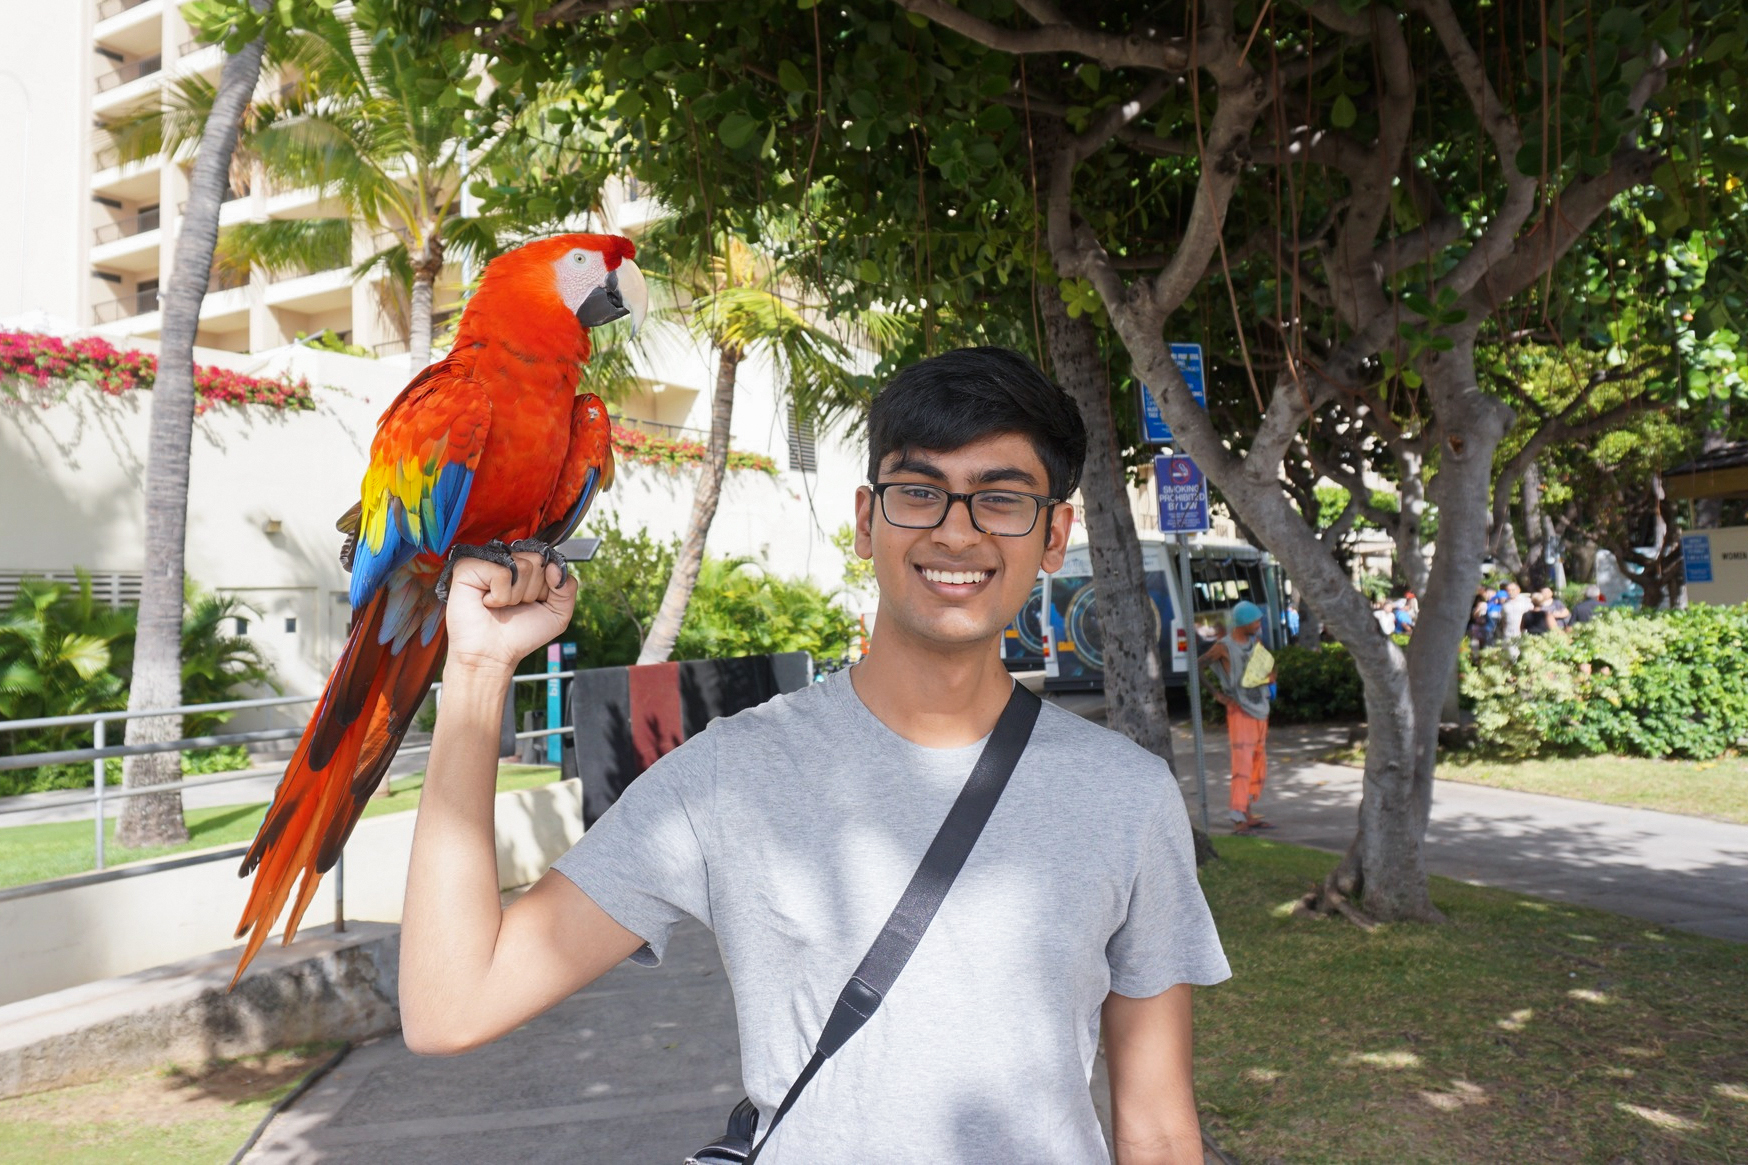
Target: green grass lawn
(168, 1117)
(31, 853)
(1700, 788)
(1521, 1031)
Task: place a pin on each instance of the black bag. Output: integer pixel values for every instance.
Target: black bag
(862, 995)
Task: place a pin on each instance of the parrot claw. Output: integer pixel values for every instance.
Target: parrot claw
(493, 551)
(548, 552)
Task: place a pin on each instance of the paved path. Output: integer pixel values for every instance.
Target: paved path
(643, 1066)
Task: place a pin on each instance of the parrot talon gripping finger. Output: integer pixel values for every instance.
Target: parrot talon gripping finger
(493, 551)
(549, 553)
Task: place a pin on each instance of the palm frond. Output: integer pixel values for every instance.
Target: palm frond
(285, 245)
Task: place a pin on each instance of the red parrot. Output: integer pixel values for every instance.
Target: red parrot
(489, 451)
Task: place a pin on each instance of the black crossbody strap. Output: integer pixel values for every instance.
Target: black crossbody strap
(898, 939)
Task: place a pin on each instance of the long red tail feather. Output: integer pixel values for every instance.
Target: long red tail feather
(364, 712)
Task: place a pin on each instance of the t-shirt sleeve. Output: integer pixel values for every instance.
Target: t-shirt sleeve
(644, 861)
(1168, 936)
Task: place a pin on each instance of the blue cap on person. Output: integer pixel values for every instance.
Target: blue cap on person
(1244, 614)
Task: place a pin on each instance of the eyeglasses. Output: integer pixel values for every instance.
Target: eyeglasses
(1005, 513)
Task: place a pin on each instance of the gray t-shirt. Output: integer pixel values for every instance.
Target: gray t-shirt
(792, 829)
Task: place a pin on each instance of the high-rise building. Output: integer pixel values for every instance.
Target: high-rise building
(93, 238)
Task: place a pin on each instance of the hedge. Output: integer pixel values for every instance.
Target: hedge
(1653, 684)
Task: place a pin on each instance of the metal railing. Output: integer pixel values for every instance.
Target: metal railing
(131, 71)
(124, 228)
(659, 429)
(108, 8)
(101, 751)
(137, 304)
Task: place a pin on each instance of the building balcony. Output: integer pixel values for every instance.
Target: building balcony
(130, 71)
(126, 307)
(134, 253)
(109, 232)
(132, 28)
(109, 9)
(225, 307)
(311, 292)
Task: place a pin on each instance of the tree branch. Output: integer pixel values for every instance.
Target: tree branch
(1137, 50)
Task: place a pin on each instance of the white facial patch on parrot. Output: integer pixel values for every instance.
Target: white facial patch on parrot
(580, 272)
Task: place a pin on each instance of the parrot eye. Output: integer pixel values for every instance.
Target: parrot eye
(579, 257)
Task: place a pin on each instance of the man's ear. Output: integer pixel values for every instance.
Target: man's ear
(864, 543)
(1056, 533)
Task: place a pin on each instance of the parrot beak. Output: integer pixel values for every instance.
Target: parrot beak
(624, 294)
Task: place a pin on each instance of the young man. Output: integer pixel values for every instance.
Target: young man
(791, 831)
(1247, 713)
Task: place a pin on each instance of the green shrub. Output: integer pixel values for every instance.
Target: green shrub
(739, 609)
(64, 652)
(1316, 685)
(1654, 684)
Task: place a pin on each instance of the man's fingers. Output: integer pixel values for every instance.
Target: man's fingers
(530, 578)
(500, 590)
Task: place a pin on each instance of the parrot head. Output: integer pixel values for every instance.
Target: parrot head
(589, 278)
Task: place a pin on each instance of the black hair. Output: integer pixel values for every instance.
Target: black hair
(949, 401)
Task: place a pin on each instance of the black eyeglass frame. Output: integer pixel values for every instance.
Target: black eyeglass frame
(1045, 505)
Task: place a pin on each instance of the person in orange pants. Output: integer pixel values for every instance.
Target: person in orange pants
(1247, 714)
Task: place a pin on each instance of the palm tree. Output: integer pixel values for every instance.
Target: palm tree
(157, 677)
(741, 301)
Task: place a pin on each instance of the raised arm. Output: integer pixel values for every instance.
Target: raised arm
(470, 970)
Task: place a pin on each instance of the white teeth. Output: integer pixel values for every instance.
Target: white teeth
(956, 577)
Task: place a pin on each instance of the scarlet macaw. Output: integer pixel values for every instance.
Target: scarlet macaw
(489, 451)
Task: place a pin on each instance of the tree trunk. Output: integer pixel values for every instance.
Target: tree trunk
(664, 629)
(157, 673)
(1134, 677)
(427, 266)
(1310, 628)
(1404, 691)
(1535, 529)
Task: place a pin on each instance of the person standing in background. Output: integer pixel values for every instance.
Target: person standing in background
(1585, 609)
(1516, 606)
(1247, 713)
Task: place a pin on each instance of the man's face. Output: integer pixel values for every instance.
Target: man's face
(1513, 590)
(919, 570)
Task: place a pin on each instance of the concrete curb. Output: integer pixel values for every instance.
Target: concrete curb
(323, 987)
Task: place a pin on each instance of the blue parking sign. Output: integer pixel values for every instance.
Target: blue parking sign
(1154, 430)
(1183, 495)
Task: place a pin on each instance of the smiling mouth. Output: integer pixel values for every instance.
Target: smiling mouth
(956, 578)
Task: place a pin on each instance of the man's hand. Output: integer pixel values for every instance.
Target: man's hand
(493, 622)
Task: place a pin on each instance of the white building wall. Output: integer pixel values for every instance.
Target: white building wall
(266, 488)
(44, 128)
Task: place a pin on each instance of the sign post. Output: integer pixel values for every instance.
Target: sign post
(554, 708)
(1183, 510)
(1189, 590)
